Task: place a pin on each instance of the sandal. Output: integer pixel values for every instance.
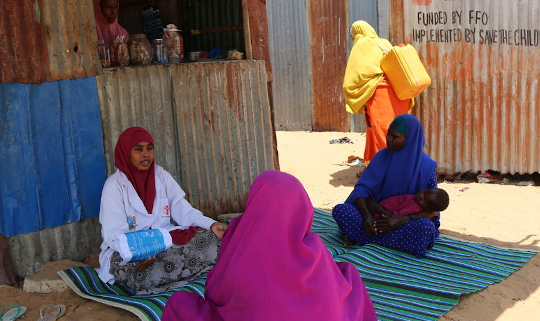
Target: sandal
(12, 313)
(52, 312)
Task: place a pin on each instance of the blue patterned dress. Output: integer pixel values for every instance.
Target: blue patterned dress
(415, 236)
(394, 172)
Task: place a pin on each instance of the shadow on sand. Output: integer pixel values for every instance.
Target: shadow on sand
(346, 177)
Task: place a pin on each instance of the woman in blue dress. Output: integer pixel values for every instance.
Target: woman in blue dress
(401, 168)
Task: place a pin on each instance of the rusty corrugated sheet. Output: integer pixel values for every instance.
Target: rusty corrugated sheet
(327, 20)
(211, 123)
(309, 43)
(291, 64)
(483, 109)
(47, 40)
(75, 241)
(139, 96)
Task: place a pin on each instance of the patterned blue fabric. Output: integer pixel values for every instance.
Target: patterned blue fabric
(416, 236)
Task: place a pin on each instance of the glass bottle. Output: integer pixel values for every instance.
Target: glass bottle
(160, 55)
(104, 54)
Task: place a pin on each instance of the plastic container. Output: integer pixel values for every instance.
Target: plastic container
(405, 71)
(174, 44)
(140, 50)
(104, 54)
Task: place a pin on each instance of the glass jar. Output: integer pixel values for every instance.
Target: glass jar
(119, 53)
(140, 51)
(104, 54)
(159, 52)
(174, 44)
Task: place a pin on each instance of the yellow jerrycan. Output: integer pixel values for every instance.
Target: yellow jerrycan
(405, 71)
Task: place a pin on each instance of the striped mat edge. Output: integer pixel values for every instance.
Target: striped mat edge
(75, 289)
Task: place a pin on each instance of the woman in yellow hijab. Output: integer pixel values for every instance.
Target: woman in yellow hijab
(367, 90)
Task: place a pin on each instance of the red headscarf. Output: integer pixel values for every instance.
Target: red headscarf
(144, 182)
(106, 30)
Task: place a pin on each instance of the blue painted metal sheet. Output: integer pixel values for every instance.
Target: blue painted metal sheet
(52, 165)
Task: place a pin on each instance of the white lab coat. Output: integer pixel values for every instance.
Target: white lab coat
(123, 211)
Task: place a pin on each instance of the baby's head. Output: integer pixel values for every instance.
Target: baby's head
(434, 199)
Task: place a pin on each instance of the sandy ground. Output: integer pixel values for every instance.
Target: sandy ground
(500, 215)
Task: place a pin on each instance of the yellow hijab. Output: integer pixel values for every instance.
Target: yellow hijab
(363, 71)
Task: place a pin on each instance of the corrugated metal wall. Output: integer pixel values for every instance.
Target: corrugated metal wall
(289, 50)
(47, 40)
(370, 11)
(211, 123)
(483, 109)
(51, 164)
(384, 12)
(328, 28)
(75, 241)
(297, 54)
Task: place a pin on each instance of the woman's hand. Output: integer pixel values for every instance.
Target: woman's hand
(145, 264)
(218, 229)
(393, 222)
(387, 214)
(369, 227)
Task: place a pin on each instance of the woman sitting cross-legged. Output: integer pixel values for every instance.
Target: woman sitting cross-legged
(272, 267)
(401, 168)
(143, 197)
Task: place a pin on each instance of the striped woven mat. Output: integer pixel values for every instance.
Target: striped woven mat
(401, 286)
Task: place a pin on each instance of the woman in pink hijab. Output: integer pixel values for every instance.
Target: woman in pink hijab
(272, 267)
(108, 28)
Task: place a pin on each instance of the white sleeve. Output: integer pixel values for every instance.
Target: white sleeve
(112, 215)
(181, 211)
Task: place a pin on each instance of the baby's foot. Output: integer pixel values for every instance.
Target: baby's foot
(348, 241)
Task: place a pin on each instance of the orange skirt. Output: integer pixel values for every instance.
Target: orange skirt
(381, 109)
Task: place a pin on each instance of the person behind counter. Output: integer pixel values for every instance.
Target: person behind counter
(108, 28)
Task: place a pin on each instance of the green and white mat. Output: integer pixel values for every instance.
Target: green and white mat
(401, 286)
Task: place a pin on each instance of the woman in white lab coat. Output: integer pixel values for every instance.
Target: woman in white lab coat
(142, 196)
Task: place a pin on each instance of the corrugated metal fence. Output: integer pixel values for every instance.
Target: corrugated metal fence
(372, 12)
(47, 40)
(309, 48)
(210, 121)
(291, 64)
(483, 109)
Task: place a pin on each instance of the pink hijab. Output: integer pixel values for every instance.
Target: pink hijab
(106, 30)
(272, 267)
